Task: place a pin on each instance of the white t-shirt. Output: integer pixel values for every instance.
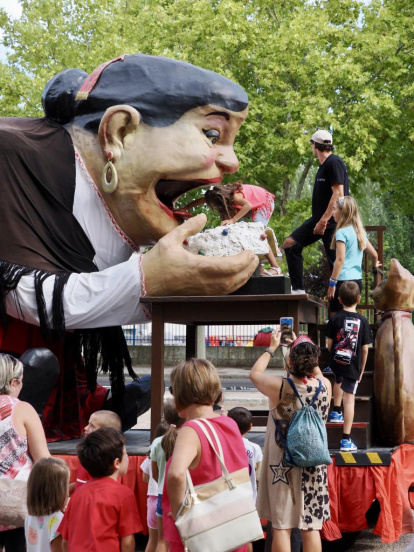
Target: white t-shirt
(41, 530)
(152, 484)
(254, 455)
(110, 297)
(157, 454)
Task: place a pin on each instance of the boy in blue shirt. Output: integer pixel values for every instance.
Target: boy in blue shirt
(349, 336)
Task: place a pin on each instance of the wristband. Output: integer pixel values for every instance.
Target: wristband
(271, 353)
(332, 284)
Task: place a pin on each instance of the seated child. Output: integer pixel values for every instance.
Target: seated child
(97, 420)
(349, 336)
(47, 495)
(102, 514)
(243, 419)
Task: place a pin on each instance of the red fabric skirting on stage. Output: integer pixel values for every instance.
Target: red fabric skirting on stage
(352, 490)
(133, 480)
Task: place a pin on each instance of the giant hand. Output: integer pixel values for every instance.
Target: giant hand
(171, 270)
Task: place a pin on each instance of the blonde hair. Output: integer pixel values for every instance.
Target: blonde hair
(108, 418)
(350, 217)
(47, 487)
(10, 369)
(195, 381)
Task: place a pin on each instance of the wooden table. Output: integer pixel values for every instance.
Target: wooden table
(228, 309)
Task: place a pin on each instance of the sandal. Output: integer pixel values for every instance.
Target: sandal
(277, 271)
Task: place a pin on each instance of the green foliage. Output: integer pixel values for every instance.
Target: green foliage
(338, 64)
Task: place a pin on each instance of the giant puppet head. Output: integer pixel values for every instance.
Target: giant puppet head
(168, 127)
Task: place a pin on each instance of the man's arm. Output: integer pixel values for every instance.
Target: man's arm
(337, 191)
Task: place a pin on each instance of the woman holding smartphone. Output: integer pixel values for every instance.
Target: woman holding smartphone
(291, 496)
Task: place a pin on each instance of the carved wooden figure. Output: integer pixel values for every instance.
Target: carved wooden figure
(394, 358)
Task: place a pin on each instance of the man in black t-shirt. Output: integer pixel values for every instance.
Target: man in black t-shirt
(331, 182)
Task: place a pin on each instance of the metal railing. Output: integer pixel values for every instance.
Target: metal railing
(240, 335)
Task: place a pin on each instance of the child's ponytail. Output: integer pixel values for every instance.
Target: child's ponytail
(174, 422)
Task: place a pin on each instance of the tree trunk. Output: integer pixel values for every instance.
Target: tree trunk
(302, 179)
(286, 193)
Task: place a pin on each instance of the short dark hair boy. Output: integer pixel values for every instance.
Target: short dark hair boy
(244, 421)
(99, 450)
(242, 417)
(109, 507)
(349, 336)
(349, 294)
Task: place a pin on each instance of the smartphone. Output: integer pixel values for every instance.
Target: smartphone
(286, 328)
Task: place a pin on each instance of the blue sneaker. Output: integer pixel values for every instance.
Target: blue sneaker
(327, 370)
(336, 418)
(347, 445)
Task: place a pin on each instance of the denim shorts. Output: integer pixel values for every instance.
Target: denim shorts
(158, 511)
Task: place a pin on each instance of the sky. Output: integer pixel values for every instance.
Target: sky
(14, 9)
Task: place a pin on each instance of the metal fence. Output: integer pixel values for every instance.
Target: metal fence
(240, 335)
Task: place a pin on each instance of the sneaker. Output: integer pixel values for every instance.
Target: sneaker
(298, 292)
(336, 418)
(347, 445)
(327, 370)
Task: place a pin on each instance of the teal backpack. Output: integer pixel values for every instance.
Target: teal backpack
(306, 443)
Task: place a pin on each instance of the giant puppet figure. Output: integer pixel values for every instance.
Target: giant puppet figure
(394, 357)
(83, 189)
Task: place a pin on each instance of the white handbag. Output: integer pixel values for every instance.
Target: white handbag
(219, 515)
(13, 502)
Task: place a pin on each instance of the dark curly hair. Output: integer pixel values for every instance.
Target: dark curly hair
(304, 358)
(221, 199)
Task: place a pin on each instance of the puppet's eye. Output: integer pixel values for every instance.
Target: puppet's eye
(212, 135)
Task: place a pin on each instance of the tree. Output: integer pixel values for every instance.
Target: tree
(304, 65)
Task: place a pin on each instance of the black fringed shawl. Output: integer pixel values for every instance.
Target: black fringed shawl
(39, 235)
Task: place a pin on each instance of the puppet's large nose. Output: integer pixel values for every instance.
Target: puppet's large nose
(227, 160)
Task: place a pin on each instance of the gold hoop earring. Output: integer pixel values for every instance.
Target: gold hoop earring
(109, 186)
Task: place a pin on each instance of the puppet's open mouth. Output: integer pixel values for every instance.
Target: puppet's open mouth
(168, 191)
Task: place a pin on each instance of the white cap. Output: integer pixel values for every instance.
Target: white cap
(322, 137)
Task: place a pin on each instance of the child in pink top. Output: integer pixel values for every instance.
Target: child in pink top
(237, 200)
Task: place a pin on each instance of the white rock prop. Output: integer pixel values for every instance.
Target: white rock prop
(229, 240)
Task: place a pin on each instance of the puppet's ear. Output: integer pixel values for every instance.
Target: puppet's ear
(118, 125)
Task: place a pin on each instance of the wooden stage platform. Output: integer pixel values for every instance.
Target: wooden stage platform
(228, 309)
